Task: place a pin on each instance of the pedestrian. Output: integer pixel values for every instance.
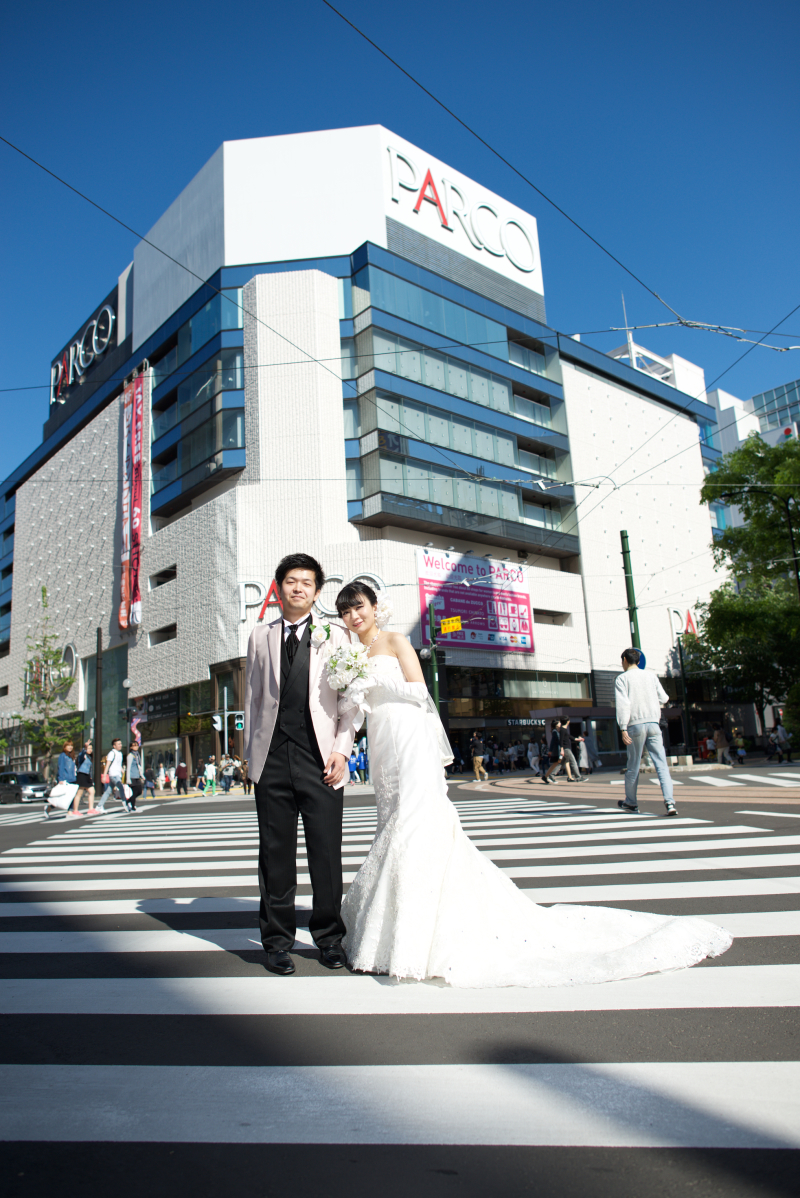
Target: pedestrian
(711, 745)
(556, 754)
(150, 781)
(210, 776)
(722, 745)
(477, 753)
(246, 776)
(595, 760)
(182, 778)
(639, 699)
(352, 765)
(565, 739)
(84, 767)
(784, 740)
(66, 772)
(114, 766)
(133, 774)
(533, 755)
(583, 754)
(458, 760)
(362, 761)
(227, 774)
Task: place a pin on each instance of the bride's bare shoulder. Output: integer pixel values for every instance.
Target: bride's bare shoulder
(396, 642)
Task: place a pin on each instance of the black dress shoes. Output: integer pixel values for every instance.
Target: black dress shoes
(333, 957)
(279, 961)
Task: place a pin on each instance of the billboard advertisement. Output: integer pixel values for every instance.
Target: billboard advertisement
(491, 598)
(130, 605)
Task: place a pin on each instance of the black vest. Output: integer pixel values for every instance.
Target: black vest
(294, 716)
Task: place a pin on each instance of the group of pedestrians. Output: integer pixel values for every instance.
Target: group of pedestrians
(358, 763)
(544, 757)
(231, 769)
(78, 771)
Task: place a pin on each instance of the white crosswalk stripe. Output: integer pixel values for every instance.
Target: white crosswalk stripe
(154, 918)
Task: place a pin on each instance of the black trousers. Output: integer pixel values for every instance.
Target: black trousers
(290, 785)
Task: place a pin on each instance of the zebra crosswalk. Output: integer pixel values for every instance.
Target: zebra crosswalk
(152, 919)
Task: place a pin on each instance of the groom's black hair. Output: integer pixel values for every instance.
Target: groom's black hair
(299, 561)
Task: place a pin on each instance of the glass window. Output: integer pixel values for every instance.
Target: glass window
(501, 394)
(392, 475)
(384, 351)
(115, 671)
(414, 420)
(434, 366)
(224, 372)
(441, 487)
(509, 501)
(353, 475)
(466, 494)
(417, 485)
(484, 444)
(352, 423)
(480, 387)
(457, 379)
(349, 363)
(462, 436)
(506, 445)
(438, 429)
(490, 500)
(345, 299)
(389, 414)
(410, 361)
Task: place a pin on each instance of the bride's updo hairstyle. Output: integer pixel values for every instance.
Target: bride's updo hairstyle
(349, 596)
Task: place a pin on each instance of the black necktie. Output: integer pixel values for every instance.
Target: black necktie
(292, 642)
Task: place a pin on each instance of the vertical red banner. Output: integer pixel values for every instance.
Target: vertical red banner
(125, 557)
(136, 501)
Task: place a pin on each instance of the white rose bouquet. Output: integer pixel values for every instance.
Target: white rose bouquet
(349, 671)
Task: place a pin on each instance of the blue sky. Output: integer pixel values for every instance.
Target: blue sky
(671, 133)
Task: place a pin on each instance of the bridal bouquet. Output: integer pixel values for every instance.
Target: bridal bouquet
(349, 670)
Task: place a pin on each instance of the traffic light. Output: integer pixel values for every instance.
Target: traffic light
(239, 723)
(216, 721)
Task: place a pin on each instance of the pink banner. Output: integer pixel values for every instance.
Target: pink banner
(136, 500)
(125, 556)
(494, 606)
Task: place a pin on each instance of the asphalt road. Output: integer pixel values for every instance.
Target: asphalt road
(145, 1049)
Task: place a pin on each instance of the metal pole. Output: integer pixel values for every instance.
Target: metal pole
(632, 614)
(434, 661)
(98, 715)
(687, 721)
(225, 717)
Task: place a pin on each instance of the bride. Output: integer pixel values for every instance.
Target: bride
(427, 904)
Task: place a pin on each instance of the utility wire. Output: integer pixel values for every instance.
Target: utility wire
(497, 154)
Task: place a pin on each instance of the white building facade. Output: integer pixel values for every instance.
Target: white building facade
(353, 361)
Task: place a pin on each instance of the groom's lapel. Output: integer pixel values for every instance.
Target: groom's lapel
(274, 642)
(315, 663)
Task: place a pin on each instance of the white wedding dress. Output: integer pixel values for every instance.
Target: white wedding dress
(427, 904)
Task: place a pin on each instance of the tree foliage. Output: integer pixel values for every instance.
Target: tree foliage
(760, 480)
(47, 719)
(751, 640)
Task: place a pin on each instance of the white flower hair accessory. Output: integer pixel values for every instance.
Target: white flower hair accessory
(320, 633)
(383, 612)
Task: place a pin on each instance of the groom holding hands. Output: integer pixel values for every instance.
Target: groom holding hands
(297, 748)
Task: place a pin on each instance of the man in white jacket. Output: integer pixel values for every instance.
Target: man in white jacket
(639, 698)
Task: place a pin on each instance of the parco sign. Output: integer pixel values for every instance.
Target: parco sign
(76, 359)
(484, 226)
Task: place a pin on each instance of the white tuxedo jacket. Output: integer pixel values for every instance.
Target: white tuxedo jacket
(262, 693)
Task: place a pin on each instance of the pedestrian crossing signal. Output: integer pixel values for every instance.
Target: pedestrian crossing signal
(239, 723)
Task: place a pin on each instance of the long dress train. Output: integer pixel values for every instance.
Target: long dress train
(427, 904)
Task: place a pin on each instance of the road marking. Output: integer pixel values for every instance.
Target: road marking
(685, 864)
(782, 814)
(770, 781)
(709, 780)
(633, 892)
(758, 923)
(701, 1104)
(343, 994)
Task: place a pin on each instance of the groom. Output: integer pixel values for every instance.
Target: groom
(297, 749)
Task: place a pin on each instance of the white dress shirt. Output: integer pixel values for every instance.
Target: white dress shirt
(287, 624)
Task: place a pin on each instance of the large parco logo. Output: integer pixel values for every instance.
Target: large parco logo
(81, 353)
(257, 594)
(480, 222)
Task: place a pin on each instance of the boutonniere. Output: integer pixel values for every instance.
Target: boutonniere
(320, 633)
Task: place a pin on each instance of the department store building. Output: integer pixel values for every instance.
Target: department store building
(353, 361)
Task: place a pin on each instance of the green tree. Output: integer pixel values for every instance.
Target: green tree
(791, 712)
(47, 719)
(763, 481)
(750, 640)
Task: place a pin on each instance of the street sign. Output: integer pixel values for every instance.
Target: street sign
(451, 624)
(642, 660)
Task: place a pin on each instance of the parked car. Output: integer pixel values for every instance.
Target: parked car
(22, 787)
